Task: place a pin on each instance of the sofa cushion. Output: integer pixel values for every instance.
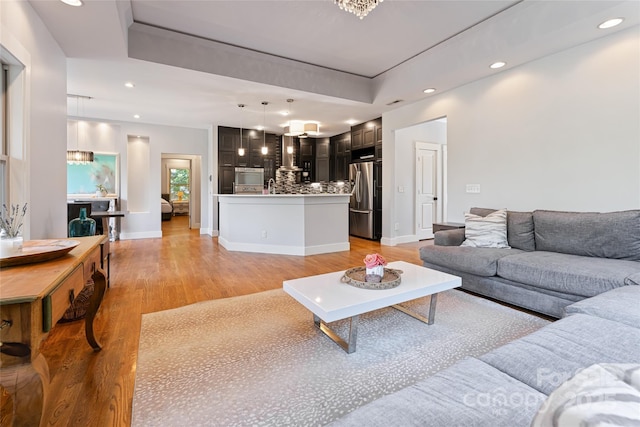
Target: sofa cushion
(549, 356)
(469, 393)
(520, 233)
(604, 235)
(486, 231)
(602, 394)
(453, 237)
(572, 274)
(620, 305)
(479, 261)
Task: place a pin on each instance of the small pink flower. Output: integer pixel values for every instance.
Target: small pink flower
(373, 260)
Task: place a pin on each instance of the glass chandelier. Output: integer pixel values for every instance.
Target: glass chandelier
(360, 8)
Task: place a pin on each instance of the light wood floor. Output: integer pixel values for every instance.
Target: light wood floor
(96, 389)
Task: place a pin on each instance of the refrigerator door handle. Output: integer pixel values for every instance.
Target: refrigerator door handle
(358, 187)
(359, 211)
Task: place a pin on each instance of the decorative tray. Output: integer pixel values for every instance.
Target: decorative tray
(37, 251)
(356, 277)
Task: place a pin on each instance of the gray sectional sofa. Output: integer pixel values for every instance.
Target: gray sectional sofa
(583, 268)
(556, 258)
(510, 386)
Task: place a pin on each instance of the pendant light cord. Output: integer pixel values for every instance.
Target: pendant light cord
(264, 127)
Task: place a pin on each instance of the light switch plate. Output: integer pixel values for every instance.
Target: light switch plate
(473, 188)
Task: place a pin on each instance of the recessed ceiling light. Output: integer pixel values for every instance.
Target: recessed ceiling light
(72, 2)
(136, 116)
(610, 23)
(352, 122)
(498, 64)
(429, 90)
(129, 85)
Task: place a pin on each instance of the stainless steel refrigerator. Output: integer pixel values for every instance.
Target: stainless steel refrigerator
(362, 206)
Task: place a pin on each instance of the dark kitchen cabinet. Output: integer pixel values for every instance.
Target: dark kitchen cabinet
(323, 158)
(228, 138)
(252, 142)
(226, 176)
(340, 157)
(366, 140)
(379, 143)
(369, 137)
(227, 158)
(356, 139)
(377, 188)
(307, 160)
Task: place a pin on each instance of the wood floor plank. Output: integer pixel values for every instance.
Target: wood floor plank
(148, 275)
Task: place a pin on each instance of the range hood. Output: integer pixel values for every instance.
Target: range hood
(288, 160)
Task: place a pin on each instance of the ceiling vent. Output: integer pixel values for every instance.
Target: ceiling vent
(395, 102)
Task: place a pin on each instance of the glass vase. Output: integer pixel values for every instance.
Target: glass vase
(82, 226)
(10, 245)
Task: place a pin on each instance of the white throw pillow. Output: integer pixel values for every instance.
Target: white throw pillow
(486, 231)
(601, 395)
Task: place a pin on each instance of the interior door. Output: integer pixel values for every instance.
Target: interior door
(427, 188)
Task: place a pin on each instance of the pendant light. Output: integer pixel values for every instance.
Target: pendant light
(241, 149)
(77, 156)
(265, 150)
(287, 129)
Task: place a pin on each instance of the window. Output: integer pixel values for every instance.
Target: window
(4, 144)
(179, 184)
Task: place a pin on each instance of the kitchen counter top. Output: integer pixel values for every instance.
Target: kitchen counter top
(285, 195)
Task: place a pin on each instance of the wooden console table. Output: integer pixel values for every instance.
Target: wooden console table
(33, 297)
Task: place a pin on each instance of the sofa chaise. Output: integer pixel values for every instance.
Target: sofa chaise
(553, 260)
(532, 381)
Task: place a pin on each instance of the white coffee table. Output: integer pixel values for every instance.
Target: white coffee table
(330, 300)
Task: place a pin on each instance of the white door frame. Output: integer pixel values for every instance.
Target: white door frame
(441, 181)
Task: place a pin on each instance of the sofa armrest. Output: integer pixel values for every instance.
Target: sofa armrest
(453, 237)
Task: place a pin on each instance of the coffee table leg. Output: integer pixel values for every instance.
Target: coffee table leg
(350, 344)
(430, 317)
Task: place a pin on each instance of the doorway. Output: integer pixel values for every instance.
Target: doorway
(180, 183)
(429, 184)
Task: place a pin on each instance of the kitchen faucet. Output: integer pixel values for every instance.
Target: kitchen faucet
(271, 187)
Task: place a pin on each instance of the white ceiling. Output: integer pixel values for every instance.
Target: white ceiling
(193, 61)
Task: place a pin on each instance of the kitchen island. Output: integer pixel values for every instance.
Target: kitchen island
(288, 224)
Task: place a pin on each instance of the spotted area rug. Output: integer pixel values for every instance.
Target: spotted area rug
(258, 360)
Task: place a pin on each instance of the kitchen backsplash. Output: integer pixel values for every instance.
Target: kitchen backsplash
(286, 184)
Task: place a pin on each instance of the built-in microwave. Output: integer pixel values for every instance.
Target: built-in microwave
(249, 180)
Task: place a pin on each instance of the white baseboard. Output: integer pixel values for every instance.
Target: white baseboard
(210, 232)
(143, 235)
(283, 249)
(393, 241)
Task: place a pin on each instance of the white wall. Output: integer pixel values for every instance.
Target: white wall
(146, 177)
(43, 184)
(559, 133)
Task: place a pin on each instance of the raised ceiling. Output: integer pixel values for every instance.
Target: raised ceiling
(192, 62)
